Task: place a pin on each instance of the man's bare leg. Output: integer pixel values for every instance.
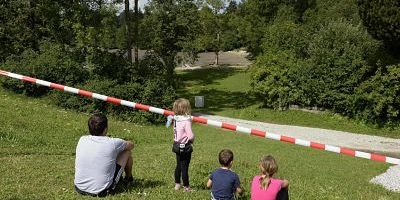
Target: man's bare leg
(125, 160)
(128, 166)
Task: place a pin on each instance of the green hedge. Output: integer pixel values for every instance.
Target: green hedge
(341, 57)
(337, 67)
(52, 63)
(377, 99)
(152, 92)
(107, 73)
(273, 79)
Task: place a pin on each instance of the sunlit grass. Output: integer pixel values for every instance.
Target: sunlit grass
(37, 146)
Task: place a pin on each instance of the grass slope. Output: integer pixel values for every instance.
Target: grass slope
(37, 145)
(226, 93)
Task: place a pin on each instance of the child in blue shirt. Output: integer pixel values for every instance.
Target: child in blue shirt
(224, 183)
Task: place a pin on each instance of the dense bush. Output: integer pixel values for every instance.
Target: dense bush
(107, 73)
(274, 79)
(382, 20)
(150, 67)
(52, 63)
(338, 68)
(110, 65)
(286, 36)
(341, 57)
(146, 83)
(326, 11)
(153, 92)
(377, 100)
(277, 75)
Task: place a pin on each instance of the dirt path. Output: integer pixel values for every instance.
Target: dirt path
(367, 143)
(228, 58)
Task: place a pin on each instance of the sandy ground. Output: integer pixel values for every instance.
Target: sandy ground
(237, 58)
(367, 143)
(231, 58)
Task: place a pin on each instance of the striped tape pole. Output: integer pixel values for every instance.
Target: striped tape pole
(201, 120)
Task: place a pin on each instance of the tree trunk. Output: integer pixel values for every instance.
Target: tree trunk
(217, 52)
(127, 31)
(216, 62)
(136, 32)
(32, 25)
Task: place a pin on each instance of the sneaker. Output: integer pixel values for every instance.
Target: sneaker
(187, 189)
(177, 186)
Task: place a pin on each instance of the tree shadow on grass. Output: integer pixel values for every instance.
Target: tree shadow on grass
(139, 184)
(219, 100)
(146, 183)
(215, 100)
(206, 76)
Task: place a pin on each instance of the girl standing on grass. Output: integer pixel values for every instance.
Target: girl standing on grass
(183, 139)
(264, 187)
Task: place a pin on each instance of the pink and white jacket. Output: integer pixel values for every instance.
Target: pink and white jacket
(183, 129)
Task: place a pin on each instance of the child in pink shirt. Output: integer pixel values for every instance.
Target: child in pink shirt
(264, 186)
(183, 139)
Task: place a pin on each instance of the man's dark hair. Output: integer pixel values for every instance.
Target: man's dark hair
(97, 124)
(225, 157)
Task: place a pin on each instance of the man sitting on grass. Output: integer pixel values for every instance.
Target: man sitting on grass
(100, 160)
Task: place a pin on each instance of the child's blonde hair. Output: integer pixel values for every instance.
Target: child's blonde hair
(182, 107)
(268, 168)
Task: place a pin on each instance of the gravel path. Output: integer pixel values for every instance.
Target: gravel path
(374, 144)
(390, 179)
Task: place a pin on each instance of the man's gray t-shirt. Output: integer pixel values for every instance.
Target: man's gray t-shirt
(96, 158)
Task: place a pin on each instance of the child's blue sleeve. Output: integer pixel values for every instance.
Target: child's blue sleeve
(237, 181)
(169, 120)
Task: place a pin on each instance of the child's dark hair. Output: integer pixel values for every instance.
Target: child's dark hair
(97, 124)
(225, 157)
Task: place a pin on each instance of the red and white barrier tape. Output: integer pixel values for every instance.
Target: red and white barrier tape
(255, 132)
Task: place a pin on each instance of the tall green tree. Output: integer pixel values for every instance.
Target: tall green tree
(382, 20)
(24, 24)
(260, 13)
(217, 6)
(232, 28)
(208, 37)
(168, 27)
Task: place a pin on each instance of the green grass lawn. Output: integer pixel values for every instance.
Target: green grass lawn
(226, 93)
(37, 146)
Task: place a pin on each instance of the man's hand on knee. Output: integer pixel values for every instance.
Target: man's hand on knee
(129, 145)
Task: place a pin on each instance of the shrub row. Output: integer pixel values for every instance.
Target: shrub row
(106, 73)
(338, 67)
(52, 63)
